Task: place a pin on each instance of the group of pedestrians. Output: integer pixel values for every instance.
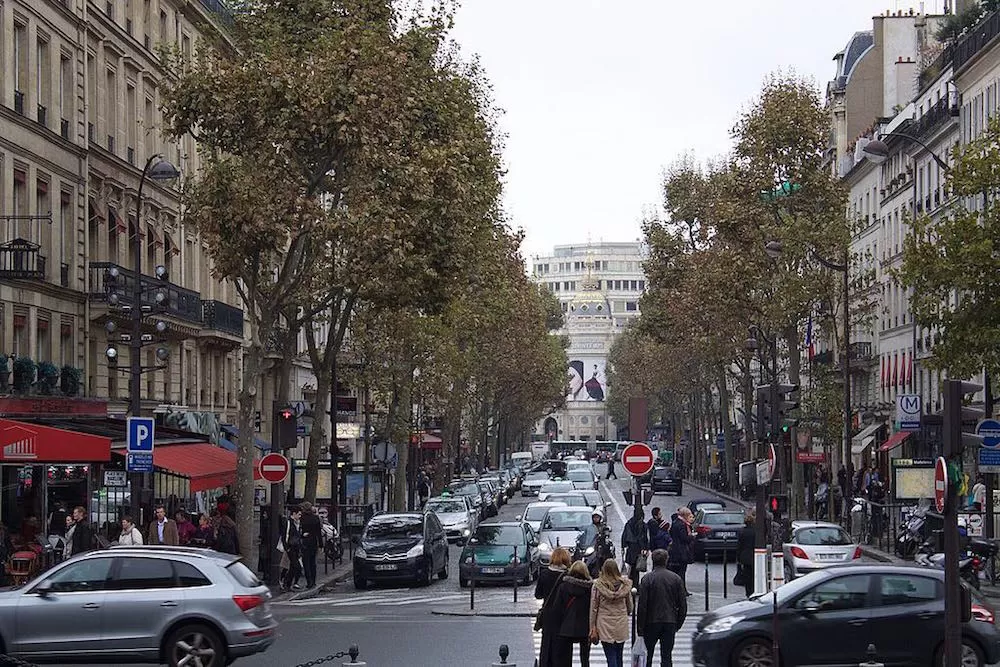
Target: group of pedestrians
(675, 537)
(299, 541)
(579, 611)
(212, 531)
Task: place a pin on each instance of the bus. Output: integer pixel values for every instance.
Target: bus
(592, 447)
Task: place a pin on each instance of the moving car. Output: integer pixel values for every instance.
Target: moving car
(500, 551)
(470, 488)
(706, 503)
(572, 499)
(535, 512)
(453, 513)
(533, 481)
(401, 546)
(147, 604)
(813, 545)
(715, 532)
(560, 528)
(582, 478)
(668, 480)
(559, 486)
(829, 617)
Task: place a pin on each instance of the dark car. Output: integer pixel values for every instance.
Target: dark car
(401, 546)
(829, 617)
(554, 467)
(707, 504)
(472, 489)
(500, 551)
(715, 531)
(668, 480)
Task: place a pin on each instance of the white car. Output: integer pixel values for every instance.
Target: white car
(582, 479)
(555, 487)
(453, 512)
(533, 482)
(814, 545)
(577, 465)
(535, 512)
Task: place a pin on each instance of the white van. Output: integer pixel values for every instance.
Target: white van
(521, 458)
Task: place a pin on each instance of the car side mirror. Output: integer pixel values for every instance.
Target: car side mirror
(44, 588)
(808, 607)
(520, 517)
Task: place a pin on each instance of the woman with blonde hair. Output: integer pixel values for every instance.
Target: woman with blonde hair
(610, 606)
(547, 621)
(571, 606)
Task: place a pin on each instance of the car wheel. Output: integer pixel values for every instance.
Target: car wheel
(789, 575)
(972, 656)
(195, 646)
(443, 574)
(754, 652)
(360, 583)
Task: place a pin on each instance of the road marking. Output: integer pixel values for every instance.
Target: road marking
(615, 503)
(682, 655)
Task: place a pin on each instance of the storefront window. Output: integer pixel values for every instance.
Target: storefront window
(22, 503)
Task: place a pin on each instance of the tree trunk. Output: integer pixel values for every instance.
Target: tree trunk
(796, 493)
(730, 467)
(243, 491)
(318, 437)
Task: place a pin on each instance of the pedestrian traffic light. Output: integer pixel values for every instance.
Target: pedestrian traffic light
(286, 424)
(778, 504)
(957, 415)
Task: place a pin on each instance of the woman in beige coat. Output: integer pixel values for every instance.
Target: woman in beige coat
(610, 606)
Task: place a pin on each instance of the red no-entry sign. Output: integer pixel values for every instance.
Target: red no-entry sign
(940, 483)
(638, 459)
(274, 468)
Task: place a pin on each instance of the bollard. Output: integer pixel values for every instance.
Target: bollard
(706, 582)
(759, 571)
(635, 599)
(353, 652)
(725, 574)
(515, 574)
(504, 653)
(777, 570)
(871, 655)
(472, 584)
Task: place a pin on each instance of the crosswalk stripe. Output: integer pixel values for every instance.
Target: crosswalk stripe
(682, 655)
(397, 600)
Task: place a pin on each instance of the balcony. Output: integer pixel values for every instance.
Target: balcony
(861, 352)
(221, 12)
(222, 317)
(977, 39)
(18, 102)
(21, 260)
(932, 119)
(823, 358)
(184, 304)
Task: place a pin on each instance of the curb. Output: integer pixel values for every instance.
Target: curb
(878, 555)
(724, 496)
(488, 614)
(339, 573)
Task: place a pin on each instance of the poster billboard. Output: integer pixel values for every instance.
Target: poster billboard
(586, 379)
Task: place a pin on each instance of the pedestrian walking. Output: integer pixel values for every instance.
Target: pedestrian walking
(312, 539)
(81, 539)
(571, 605)
(653, 525)
(745, 543)
(204, 536)
(423, 488)
(185, 529)
(635, 545)
(547, 620)
(162, 530)
(661, 610)
(130, 534)
(291, 544)
(660, 534)
(610, 606)
(681, 550)
(611, 469)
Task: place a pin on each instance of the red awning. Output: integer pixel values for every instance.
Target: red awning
(895, 440)
(430, 441)
(207, 466)
(26, 442)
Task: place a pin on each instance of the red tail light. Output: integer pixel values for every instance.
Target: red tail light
(981, 613)
(799, 553)
(857, 553)
(248, 602)
(703, 530)
(976, 563)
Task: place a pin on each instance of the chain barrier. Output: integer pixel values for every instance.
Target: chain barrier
(351, 653)
(11, 661)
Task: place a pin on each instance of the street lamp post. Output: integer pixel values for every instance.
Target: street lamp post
(753, 345)
(162, 171)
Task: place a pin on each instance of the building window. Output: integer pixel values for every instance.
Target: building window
(43, 78)
(21, 228)
(20, 65)
(111, 107)
(65, 91)
(66, 355)
(631, 306)
(642, 285)
(20, 342)
(42, 339)
(67, 228)
(132, 123)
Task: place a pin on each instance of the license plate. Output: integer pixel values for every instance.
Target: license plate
(385, 567)
(492, 570)
(726, 536)
(828, 557)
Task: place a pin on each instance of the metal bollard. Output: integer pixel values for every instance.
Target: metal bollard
(871, 654)
(515, 574)
(504, 653)
(725, 574)
(635, 599)
(706, 582)
(353, 652)
(472, 585)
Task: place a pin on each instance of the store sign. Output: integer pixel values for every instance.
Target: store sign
(60, 407)
(115, 478)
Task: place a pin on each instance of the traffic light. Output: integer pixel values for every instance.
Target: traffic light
(783, 404)
(956, 415)
(286, 424)
(778, 504)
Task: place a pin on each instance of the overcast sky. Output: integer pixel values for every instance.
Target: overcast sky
(600, 95)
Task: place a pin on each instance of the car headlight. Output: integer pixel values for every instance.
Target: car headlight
(417, 550)
(468, 560)
(589, 551)
(466, 532)
(360, 553)
(722, 624)
(545, 546)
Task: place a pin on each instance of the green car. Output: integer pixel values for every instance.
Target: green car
(500, 551)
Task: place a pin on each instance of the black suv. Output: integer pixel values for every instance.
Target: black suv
(401, 545)
(667, 480)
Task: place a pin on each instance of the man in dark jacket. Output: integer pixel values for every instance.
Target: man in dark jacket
(662, 609)
(83, 536)
(635, 542)
(681, 543)
(312, 535)
(653, 525)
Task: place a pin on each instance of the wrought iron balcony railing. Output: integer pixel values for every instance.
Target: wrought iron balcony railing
(180, 302)
(222, 317)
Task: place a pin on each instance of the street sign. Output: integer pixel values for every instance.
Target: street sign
(637, 459)
(989, 429)
(940, 483)
(139, 461)
(763, 472)
(140, 434)
(908, 412)
(115, 478)
(989, 460)
(274, 468)
(385, 453)
(973, 523)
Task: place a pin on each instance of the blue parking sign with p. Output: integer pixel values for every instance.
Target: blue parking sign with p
(140, 434)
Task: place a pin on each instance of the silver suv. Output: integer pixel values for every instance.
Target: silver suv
(172, 605)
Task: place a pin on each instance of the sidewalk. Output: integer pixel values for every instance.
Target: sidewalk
(712, 492)
(324, 581)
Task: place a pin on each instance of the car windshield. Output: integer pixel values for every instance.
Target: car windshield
(466, 490)
(556, 487)
(593, 497)
(397, 527)
(566, 520)
(446, 506)
(662, 473)
(500, 535)
(580, 476)
(710, 506)
(571, 499)
(538, 475)
(822, 536)
(536, 512)
(721, 518)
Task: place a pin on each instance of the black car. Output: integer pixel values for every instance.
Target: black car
(668, 480)
(401, 546)
(715, 532)
(472, 489)
(706, 504)
(829, 617)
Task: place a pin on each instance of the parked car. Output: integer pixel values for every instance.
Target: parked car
(498, 488)
(594, 499)
(401, 546)
(582, 478)
(667, 480)
(830, 616)
(556, 486)
(453, 512)
(500, 551)
(535, 512)
(715, 532)
(533, 481)
(813, 545)
(494, 497)
(472, 489)
(571, 499)
(706, 503)
(149, 604)
(560, 528)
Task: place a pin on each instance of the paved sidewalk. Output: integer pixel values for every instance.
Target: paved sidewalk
(324, 581)
(712, 492)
